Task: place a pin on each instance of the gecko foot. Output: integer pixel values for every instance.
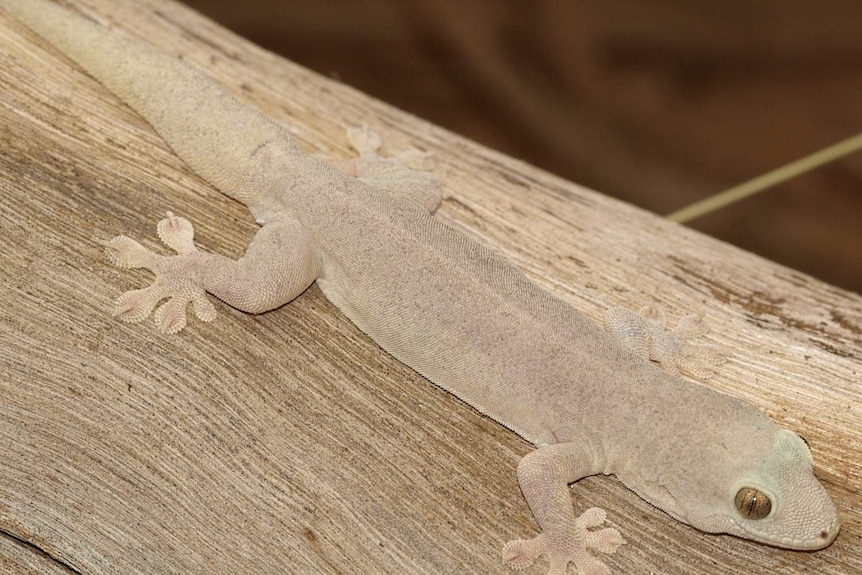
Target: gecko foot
(368, 144)
(175, 277)
(403, 175)
(645, 333)
(564, 548)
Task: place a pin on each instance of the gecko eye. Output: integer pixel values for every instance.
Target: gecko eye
(752, 504)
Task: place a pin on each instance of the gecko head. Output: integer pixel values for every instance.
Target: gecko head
(759, 484)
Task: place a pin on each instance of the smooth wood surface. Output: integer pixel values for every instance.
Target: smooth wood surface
(288, 442)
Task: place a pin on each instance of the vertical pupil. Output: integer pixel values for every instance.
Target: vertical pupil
(752, 504)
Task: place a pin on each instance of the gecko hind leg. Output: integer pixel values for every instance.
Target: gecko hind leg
(278, 266)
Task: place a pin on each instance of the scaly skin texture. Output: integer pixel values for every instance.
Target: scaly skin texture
(589, 398)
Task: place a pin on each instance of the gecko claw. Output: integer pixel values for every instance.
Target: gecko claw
(177, 233)
(125, 252)
(136, 305)
(171, 316)
(521, 553)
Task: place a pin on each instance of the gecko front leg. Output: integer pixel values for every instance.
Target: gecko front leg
(279, 264)
(544, 476)
(404, 175)
(645, 333)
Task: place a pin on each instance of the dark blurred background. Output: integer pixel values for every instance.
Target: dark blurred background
(658, 103)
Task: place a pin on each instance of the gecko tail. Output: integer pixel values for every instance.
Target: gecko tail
(211, 131)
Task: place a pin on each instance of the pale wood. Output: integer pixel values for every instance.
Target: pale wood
(288, 442)
(20, 558)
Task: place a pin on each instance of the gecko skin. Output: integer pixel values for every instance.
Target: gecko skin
(587, 397)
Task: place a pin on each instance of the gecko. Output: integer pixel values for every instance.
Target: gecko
(594, 399)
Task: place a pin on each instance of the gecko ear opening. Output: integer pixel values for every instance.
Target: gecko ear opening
(752, 503)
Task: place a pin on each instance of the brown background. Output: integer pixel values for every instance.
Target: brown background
(657, 103)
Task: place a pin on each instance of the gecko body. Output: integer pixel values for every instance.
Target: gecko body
(587, 397)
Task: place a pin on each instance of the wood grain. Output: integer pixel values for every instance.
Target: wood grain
(288, 442)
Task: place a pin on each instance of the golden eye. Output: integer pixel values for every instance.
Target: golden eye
(752, 504)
